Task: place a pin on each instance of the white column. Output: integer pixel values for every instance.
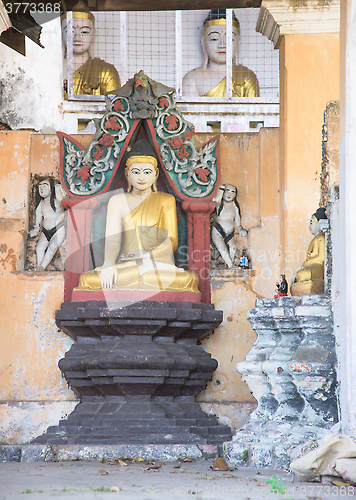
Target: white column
(228, 53)
(179, 72)
(123, 48)
(345, 258)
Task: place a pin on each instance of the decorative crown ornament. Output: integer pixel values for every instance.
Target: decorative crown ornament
(192, 173)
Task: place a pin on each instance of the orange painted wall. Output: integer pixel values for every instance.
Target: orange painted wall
(309, 73)
(31, 384)
(251, 163)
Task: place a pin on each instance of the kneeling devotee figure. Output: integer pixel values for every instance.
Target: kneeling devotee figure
(141, 234)
(210, 78)
(310, 278)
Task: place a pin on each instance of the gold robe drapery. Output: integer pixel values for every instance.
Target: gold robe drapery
(244, 84)
(149, 238)
(95, 77)
(313, 267)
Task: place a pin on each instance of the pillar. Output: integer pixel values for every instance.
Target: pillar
(344, 295)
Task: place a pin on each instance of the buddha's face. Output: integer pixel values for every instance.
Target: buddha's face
(83, 35)
(229, 193)
(142, 175)
(314, 226)
(214, 43)
(44, 188)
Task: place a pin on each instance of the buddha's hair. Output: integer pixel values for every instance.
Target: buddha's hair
(320, 214)
(237, 203)
(79, 15)
(217, 14)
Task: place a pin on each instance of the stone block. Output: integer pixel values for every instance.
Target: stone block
(36, 453)
(9, 453)
(236, 454)
(318, 311)
(288, 301)
(280, 457)
(147, 452)
(266, 303)
(209, 451)
(318, 300)
(261, 456)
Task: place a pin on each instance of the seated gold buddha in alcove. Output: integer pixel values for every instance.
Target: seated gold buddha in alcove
(310, 278)
(210, 78)
(141, 234)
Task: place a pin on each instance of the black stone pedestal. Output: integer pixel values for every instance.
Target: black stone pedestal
(137, 369)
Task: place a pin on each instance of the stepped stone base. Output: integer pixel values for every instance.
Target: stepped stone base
(137, 369)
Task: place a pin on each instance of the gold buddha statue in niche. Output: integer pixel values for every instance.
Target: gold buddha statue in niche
(91, 75)
(141, 235)
(210, 78)
(310, 278)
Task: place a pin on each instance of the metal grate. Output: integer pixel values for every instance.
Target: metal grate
(167, 46)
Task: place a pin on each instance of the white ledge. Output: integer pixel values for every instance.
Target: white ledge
(289, 17)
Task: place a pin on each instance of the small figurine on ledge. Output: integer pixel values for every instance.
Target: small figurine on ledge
(281, 287)
(50, 222)
(226, 222)
(244, 264)
(310, 278)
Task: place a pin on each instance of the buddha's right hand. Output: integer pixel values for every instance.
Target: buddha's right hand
(108, 276)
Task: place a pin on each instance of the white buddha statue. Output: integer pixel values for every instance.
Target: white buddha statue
(141, 234)
(210, 78)
(91, 75)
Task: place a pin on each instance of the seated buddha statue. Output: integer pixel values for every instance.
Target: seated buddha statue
(141, 234)
(210, 78)
(310, 278)
(91, 75)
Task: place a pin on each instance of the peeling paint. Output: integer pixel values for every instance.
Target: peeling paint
(38, 301)
(249, 288)
(14, 88)
(22, 421)
(9, 258)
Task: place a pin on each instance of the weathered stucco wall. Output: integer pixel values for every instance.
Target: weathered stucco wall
(33, 393)
(31, 94)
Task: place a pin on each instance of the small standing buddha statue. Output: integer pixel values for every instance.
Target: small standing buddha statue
(141, 235)
(310, 278)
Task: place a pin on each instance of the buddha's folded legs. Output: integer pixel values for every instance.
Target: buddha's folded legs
(128, 277)
(310, 273)
(166, 279)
